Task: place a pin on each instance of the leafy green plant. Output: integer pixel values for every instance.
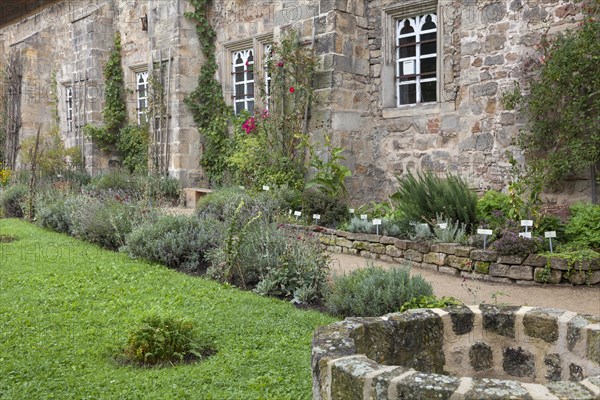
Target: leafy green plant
(374, 291)
(166, 340)
(12, 200)
(333, 212)
(330, 176)
(493, 209)
(429, 302)
(175, 241)
(563, 105)
(583, 229)
(421, 197)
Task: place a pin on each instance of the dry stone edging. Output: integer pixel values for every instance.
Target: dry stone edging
(459, 352)
(457, 259)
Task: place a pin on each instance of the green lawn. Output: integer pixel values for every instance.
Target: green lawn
(66, 305)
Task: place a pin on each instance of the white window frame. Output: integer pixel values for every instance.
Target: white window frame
(142, 99)
(413, 63)
(389, 17)
(69, 107)
(245, 100)
(268, 48)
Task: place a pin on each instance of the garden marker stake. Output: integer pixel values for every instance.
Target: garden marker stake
(485, 233)
(549, 235)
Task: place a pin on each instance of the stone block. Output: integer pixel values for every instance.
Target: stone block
(462, 318)
(542, 323)
(499, 320)
(393, 251)
(547, 275)
(496, 389)
(575, 372)
(482, 267)
(593, 344)
(518, 362)
(360, 245)
(387, 240)
(577, 277)
(346, 373)
(419, 340)
(446, 248)
(559, 263)
(553, 367)
(512, 259)
(377, 248)
(570, 390)
(463, 251)
(481, 356)
(484, 255)
(413, 255)
(448, 270)
(421, 247)
(434, 258)
(535, 260)
(426, 386)
(401, 244)
(460, 263)
(364, 237)
(343, 242)
(431, 267)
(521, 272)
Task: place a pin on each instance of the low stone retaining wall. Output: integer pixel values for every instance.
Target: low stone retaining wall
(460, 352)
(456, 259)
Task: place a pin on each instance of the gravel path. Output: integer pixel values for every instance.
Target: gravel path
(581, 299)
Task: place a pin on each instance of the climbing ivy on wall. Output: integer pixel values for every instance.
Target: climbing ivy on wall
(130, 140)
(114, 111)
(206, 102)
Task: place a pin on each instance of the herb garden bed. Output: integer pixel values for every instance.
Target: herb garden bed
(457, 259)
(505, 352)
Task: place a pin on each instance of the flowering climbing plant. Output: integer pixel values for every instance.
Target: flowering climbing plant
(270, 147)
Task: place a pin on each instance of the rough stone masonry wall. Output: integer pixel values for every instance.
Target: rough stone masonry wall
(466, 261)
(486, 46)
(459, 352)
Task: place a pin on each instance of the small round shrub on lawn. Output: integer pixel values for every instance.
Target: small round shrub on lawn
(165, 340)
(374, 291)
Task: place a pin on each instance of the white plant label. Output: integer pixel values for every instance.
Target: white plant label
(351, 210)
(265, 188)
(550, 234)
(443, 226)
(363, 217)
(485, 231)
(377, 221)
(526, 235)
(526, 222)
(316, 216)
(297, 213)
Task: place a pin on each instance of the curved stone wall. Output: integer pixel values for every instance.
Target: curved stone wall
(460, 352)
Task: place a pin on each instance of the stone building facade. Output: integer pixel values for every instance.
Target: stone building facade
(403, 85)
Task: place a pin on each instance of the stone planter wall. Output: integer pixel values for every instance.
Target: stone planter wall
(460, 352)
(456, 259)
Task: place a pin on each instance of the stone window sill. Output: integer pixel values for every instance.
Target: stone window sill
(412, 109)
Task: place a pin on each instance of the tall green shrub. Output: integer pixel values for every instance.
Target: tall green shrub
(564, 103)
(421, 197)
(583, 229)
(12, 200)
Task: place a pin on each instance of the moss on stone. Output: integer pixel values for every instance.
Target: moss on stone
(542, 323)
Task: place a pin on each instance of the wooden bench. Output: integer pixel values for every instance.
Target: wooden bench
(193, 194)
